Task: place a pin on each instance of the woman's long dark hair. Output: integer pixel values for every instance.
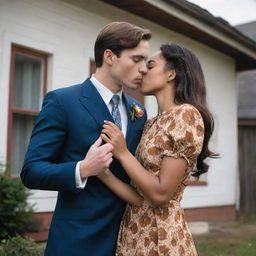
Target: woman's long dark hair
(190, 88)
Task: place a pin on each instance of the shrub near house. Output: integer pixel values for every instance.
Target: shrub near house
(15, 216)
(15, 213)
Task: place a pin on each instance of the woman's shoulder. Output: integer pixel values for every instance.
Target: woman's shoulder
(182, 111)
(183, 115)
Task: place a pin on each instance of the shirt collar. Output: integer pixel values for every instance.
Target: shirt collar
(104, 92)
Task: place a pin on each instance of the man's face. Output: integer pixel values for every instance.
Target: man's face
(129, 68)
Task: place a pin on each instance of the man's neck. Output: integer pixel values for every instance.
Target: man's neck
(105, 79)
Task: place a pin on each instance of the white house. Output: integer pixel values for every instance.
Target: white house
(48, 44)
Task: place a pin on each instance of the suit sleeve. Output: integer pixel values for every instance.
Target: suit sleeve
(42, 167)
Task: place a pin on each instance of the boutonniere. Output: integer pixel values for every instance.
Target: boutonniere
(136, 112)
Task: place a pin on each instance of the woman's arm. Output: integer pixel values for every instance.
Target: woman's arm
(159, 189)
(120, 188)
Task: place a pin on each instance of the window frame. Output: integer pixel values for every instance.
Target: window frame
(16, 49)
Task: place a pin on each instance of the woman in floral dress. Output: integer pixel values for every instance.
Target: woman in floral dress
(173, 147)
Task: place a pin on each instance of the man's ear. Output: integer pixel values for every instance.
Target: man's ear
(172, 75)
(108, 56)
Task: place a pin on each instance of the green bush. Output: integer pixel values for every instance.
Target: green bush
(19, 246)
(15, 212)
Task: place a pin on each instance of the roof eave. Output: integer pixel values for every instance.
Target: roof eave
(159, 16)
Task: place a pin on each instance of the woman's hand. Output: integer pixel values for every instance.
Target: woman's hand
(104, 174)
(112, 134)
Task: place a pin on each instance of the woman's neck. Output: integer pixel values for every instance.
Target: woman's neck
(165, 100)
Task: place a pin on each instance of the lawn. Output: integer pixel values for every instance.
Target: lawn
(236, 238)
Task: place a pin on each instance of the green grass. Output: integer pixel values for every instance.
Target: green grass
(237, 238)
(223, 248)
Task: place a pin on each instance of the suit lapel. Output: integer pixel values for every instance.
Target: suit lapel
(96, 107)
(94, 103)
(130, 124)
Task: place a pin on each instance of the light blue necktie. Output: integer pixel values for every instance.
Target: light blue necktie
(115, 111)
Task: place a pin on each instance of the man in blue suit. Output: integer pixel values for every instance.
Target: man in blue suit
(66, 154)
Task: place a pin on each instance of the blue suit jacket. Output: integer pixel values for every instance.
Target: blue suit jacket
(86, 221)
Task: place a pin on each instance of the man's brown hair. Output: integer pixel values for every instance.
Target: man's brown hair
(118, 36)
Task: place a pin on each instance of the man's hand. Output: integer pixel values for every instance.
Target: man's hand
(97, 159)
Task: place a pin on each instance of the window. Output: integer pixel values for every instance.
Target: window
(27, 88)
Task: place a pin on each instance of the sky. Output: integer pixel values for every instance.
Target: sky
(234, 11)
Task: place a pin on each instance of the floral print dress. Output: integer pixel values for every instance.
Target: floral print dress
(163, 231)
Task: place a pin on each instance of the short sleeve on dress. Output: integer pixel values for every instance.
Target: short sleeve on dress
(183, 134)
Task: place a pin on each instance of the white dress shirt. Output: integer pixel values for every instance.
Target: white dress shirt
(106, 95)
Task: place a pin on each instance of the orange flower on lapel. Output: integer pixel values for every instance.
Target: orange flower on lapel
(136, 112)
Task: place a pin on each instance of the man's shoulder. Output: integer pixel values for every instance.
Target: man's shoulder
(65, 95)
(67, 90)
